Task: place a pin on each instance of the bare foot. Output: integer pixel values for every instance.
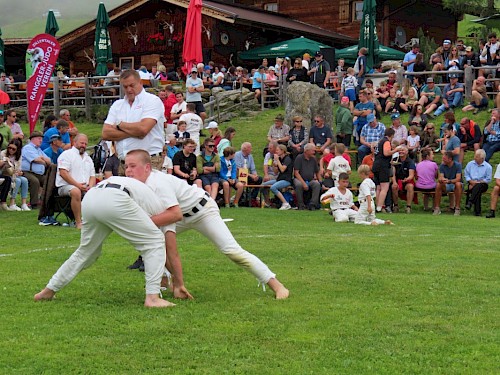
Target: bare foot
(388, 222)
(374, 223)
(279, 289)
(45, 294)
(153, 300)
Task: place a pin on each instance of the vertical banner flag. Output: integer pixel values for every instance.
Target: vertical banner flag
(41, 58)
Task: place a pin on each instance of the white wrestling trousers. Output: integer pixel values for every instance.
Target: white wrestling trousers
(106, 210)
(209, 223)
(364, 218)
(343, 216)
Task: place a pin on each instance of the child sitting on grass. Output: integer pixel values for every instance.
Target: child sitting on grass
(366, 198)
(340, 199)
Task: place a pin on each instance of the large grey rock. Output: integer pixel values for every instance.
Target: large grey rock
(307, 100)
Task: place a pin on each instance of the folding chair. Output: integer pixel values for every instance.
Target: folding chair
(52, 203)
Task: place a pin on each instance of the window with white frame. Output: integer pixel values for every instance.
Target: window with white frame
(271, 7)
(357, 11)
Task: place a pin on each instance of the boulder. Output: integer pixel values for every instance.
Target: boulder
(307, 100)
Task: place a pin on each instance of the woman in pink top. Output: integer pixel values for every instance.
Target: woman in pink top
(426, 175)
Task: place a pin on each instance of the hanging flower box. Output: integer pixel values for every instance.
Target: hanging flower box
(156, 39)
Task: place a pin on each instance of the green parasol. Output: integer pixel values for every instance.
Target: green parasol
(102, 44)
(292, 48)
(51, 27)
(368, 33)
(2, 57)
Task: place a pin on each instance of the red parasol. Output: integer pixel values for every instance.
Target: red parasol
(4, 97)
(191, 50)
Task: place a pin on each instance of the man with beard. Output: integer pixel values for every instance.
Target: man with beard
(75, 175)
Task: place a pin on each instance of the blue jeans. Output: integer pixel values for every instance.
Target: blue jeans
(490, 148)
(362, 152)
(21, 182)
(457, 101)
(276, 186)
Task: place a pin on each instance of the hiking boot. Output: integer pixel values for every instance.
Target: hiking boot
(491, 214)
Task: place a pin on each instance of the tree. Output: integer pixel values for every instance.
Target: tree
(480, 8)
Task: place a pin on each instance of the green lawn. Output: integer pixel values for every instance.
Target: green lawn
(418, 297)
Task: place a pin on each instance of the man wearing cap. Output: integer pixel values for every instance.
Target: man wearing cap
(361, 111)
(55, 149)
(279, 132)
(430, 96)
(306, 58)
(400, 131)
(343, 119)
(452, 95)
(439, 59)
(258, 77)
(33, 163)
(5, 133)
(411, 57)
(136, 121)
(319, 70)
(461, 47)
(372, 132)
(470, 58)
(62, 129)
(75, 175)
(194, 88)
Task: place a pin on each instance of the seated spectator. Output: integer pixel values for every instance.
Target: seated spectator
(299, 136)
(185, 163)
(55, 148)
(279, 132)
(283, 163)
(49, 122)
(426, 173)
(490, 54)
(449, 119)
(477, 175)
(244, 159)
(449, 181)
(429, 137)
(419, 84)
(320, 135)
(181, 134)
(492, 134)
(208, 168)
(306, 178)
(214, 131)
(33, 163)
(453, 60)
(341, 201)
(75, 175)
(494, 194)
(168, 165)
(479, 96)
(5, 185)
(375, 101)
(171, 145)
(413, 142)
(343, 119)
(228, 177)
(470, 137)
(112, 164)
(452, 142)
(419, 65)
(5, 133)
(373, 131)
(61, 129)
(65, 115)
(430, 96)
(391, 79)
(391, 101)
(452, 95)
(12, 154)
(15, 128)
(400, 131)
(229, 134)
(471, 58)
(403, 179)
(382, 93)
(270, 170)
(417, 117)
(217, 78)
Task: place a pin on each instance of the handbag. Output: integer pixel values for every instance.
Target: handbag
(8, 168)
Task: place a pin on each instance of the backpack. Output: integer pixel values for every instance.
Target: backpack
(100, 155)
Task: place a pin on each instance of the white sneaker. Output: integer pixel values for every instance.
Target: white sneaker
(4, 207)
(25, 207)
(285, 206)
(14, 207)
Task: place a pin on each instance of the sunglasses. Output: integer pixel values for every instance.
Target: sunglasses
(317, 121)
(298, 120)
(12, 148)
(210, 146)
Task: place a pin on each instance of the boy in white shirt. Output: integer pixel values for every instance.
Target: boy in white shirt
(339, 164)
(366, 198)
(341, 202)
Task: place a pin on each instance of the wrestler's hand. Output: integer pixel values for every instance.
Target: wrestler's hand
(182, 293)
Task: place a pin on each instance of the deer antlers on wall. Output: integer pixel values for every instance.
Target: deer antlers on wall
(207, 31)
(132, 35)
(91, 59)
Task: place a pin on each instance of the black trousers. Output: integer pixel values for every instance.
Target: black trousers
(474, 195)
(5, 188)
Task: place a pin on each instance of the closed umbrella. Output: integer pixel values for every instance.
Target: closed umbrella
(51, 27)
(191, 50)
(368, 33)
(2, 58)
(102, 44)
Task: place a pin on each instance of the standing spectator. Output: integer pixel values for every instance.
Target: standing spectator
(382, 167)
(492, 134)
(298, 73)
(343, 119)
(194, 88)
(410, 58)
(364, 108)
(320, 135)
(306, 173)
(168, 99)
(33, 163)
(478, 175)
(13, 155)
(319, 70)
(348, 88)
(178, 109)
(373, 131)
(306, 60)
(360, 68)
(257, 79)
(490, 53)
(15, 128)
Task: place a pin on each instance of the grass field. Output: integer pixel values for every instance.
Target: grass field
(418, 297)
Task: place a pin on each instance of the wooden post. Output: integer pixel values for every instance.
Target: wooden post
(400, 76)
(211, 100)
(88, 103)
(468, 81)
(56, 96)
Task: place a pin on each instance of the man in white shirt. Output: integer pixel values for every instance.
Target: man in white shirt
(75, 175)
(200, 212)
(194, 124)
(136, 121)
(178, 109)
(194, 88)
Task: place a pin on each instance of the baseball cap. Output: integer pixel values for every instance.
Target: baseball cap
(344, 99)
(36, 134)
(395, 115)
(272, 68)
(452, 75)
(306, 55)
(1, 112)
(279, 117)
(207, 67)
(370, 118)
(318, 53)
(194, 70)
(468, 49)
(53, 137)
(446, 41)
(212, 125)
(430, 80)
(262, 67)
